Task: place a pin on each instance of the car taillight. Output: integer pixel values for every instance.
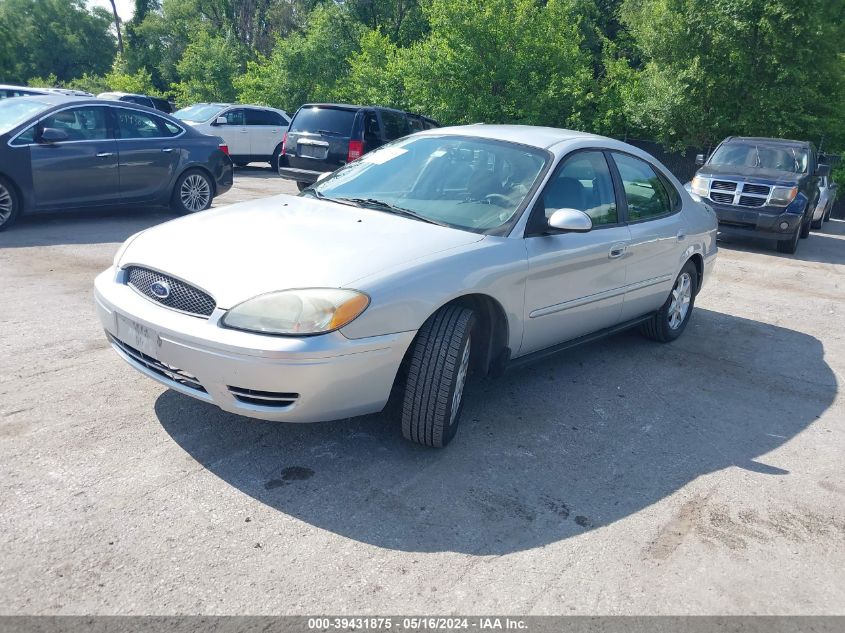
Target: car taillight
(356, 149)
(284, 144)
(224, 148)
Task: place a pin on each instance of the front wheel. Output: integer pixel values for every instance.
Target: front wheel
(826, 216)
(671, 320)
(805, 229)
(193, 192)
(439, 364)
(10, 204)
(817, 224)
(791, 245)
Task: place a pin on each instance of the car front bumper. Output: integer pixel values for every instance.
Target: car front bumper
(291, 379)
(765, 222)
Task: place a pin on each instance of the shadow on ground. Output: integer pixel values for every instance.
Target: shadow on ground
(825, 245)
(545, 453)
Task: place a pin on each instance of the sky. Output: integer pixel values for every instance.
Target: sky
(124, 7)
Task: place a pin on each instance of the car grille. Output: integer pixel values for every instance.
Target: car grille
(276, 399)
(182, 297)
(724, 191)
(157, 367)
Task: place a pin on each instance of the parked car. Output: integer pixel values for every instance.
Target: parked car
(59, 152)
(325, 136)
(253, 133)
(156, 103)
(449, 252)
(68, 92)
(827, 196)
(8, 91)
(762, 187)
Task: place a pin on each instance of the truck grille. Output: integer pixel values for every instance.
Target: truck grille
(751, 195)
(157, 367)
(180, 296)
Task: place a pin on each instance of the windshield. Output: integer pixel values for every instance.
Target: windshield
(468, 183)
(13, 112)
(199, 112)
(331, 120)
(791, 158)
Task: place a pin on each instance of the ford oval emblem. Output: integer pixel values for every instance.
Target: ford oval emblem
(161, 289)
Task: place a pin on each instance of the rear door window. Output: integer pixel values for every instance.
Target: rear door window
(135, 125)
(647, 197)
(263, 117)
(335, 121)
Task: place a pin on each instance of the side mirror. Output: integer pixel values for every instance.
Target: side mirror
(699, 159)
(822, 170)
(570, 221)
(221, 120)
(323, 176)
(53, 135)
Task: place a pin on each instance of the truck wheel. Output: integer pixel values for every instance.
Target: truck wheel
(10, 204)
(671, 320)
(432, 398)
(805, 229)
(791, 245)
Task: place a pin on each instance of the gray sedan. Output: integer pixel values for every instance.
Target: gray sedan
(59, 152)
(451, 252)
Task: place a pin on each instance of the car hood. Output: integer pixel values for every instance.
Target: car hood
(751, 174)
(238, 252)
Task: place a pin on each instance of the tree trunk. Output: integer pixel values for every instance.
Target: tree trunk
(117, 27)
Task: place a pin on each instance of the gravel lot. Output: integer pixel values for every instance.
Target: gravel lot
(705, 476)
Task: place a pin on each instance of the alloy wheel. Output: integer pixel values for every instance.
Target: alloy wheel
(681, 297)
(195, 193)
(5, 204)
(463, 369)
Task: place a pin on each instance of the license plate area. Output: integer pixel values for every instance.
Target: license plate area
(142, 338)
(317, 152)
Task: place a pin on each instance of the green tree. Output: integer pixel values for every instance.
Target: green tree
(53, 36)
(207, 69)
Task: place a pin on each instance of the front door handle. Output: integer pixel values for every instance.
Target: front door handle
(105, 154)
(617, 250)
(167, 149)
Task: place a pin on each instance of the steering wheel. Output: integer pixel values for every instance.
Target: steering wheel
(498, 199)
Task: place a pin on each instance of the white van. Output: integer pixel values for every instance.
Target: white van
(253, 133)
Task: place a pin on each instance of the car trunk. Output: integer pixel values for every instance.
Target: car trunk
(319, 137)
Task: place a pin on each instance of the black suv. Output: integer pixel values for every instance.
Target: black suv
(763, 187)
(325, 136)
(151, 102)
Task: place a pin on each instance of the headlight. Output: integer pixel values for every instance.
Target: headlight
(700, 186)
(297, 312)
(782, 196)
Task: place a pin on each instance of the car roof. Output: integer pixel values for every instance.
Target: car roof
(763, 139)
(543, 137)
(16, 87)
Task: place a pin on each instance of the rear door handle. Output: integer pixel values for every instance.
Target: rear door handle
(105, 154)
(617, 250)
(167, 149)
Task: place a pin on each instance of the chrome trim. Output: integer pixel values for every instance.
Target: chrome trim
(123, 278)
(599, 296)
(100, 140)
(739, 192)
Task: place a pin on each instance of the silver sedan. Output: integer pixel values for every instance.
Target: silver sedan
(451, 252)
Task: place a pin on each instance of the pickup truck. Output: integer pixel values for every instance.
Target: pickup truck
(762, 187)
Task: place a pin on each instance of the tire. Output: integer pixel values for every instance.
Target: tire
(817, 224)
(302, 185)
(432, 398)
(826, 216)
(10, 204)
(671, 320)
(199, 182)
(791, 245)
(805, 229)
(274, 159)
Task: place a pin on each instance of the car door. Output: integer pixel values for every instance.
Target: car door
(234, 132)
(658, 235)
(148, 154)
(80, 171)
(265, 132)
(575, 283)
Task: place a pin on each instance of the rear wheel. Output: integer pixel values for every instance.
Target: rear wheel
(274, 159)
(193, 192)
(10, 204)
(671, 320)
(791, 245)
(432, 397)
(302, 185)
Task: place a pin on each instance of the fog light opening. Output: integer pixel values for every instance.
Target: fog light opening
(784, 226)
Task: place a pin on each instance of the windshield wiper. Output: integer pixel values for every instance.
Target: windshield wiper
(381, 205)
